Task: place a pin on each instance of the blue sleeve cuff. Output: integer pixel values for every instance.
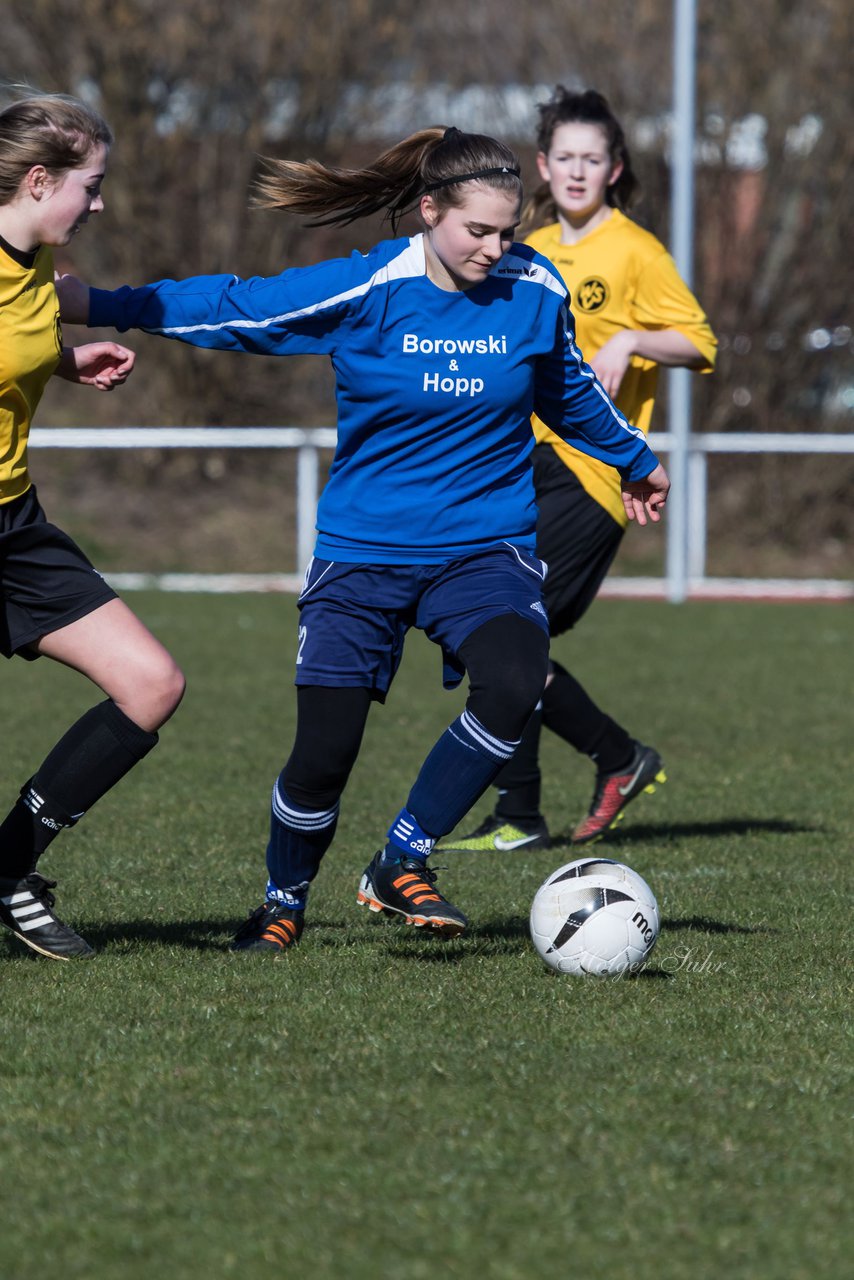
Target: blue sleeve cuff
(103, 311)
(641, 466)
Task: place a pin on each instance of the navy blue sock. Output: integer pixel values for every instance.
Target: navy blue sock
(465, 760)
(298, 840)
(407, 839)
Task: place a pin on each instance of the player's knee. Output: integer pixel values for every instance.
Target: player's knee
(507, 664)
(173, 688)
(314, 784)
(152, 691)
(163, 689)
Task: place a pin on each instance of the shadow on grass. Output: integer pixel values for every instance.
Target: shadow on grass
(702, 924)
(430, 951)
(675, 830)
(510, 929)
(404, 942)
(197, 935)
(504, 937)
(494, 937)
(201, 935)
(497, 940)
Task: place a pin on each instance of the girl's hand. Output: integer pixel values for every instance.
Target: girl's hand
(645, 499)
(611, 361)
(103, 365)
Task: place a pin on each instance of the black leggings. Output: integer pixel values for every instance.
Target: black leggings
(506, 661)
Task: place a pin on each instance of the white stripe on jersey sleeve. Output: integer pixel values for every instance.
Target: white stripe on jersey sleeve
(585, 371)
(409, 263)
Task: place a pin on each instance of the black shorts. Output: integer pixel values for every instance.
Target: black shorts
(46, 581)
(576, 538)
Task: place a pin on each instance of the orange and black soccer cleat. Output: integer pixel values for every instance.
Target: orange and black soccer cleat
(270, 927)
(408, 888)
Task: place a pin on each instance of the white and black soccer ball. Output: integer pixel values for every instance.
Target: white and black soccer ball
(595, 916)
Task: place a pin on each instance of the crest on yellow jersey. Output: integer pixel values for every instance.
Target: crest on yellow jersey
(591, 295)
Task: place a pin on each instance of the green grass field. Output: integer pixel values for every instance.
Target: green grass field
(382, 1105)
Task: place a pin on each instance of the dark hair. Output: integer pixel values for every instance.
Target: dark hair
(50, 129)
(437, 160)
(588, 107)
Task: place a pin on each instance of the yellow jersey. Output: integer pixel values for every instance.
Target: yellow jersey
(620, 276)
(30, 347)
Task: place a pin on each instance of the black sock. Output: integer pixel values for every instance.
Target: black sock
(571, 713)
(95, 753)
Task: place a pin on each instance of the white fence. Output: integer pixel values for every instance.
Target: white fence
(310, 441)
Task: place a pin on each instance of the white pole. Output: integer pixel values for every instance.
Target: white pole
(681, 240)
(308, 471)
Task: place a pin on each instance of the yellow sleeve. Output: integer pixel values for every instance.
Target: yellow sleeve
(664, 301)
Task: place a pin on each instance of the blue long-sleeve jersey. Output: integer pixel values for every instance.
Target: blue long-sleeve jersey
(435, 389)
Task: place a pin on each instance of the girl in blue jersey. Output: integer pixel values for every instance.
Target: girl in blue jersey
(443, 344)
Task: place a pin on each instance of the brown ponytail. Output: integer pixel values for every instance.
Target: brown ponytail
(435, 159)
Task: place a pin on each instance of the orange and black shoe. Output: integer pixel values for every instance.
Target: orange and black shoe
(615, 790)
(408, 888)
(270, 927)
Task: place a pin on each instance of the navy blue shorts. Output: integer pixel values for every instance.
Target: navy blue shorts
(46, 582)
(354, 617)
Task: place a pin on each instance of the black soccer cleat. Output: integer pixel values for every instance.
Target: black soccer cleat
(270, 927)
(615, 790)
(26, 907)
(407, 888)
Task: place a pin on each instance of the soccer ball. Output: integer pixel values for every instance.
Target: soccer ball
(594, 916)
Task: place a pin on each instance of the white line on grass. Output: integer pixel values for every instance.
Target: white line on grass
(770, 589)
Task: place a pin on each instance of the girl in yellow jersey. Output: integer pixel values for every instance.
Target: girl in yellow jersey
(53, 157)
(633, 312)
